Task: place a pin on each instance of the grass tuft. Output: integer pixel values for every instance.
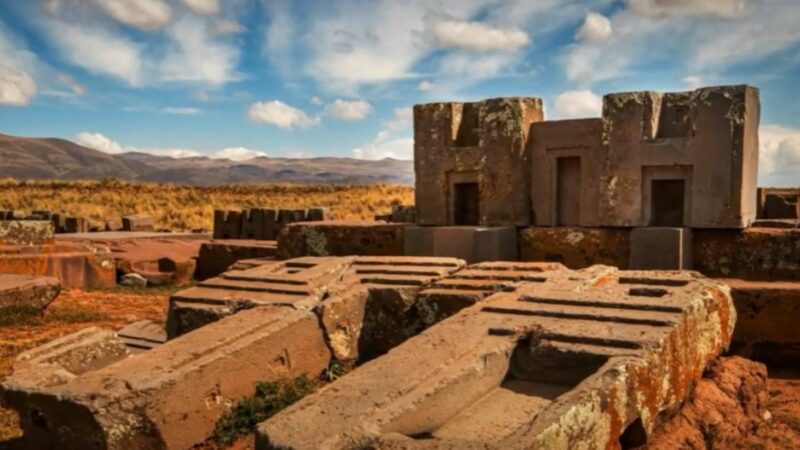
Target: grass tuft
(269, 399)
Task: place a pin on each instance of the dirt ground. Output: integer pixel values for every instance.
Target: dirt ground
(75, 309)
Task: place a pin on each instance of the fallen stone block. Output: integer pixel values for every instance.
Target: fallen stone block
(75, 266)
(169, 397)
(142, 336)
(578, 362)
(133, 280)
(25, 290)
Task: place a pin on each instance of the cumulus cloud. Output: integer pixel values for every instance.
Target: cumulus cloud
(237, 154)
(596, 28)
(98, 51)
(181, 110)
(195, 56)
(143, 14)
(316, 101)
(402, 120)
(281, 115)
(477, 36)
(99, 142)
(425, 86)
(577, 104)
(348, 110)
(720, 9)
(205, 7)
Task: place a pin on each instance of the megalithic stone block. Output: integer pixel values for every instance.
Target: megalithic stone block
(138, 222)
(572, 362)
(169, 397)
(227, 224)
(661, 248)
(26, 290)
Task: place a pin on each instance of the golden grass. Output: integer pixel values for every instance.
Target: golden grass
(177, 207)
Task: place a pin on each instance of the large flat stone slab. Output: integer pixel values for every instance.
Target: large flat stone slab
(571, 362)
(75, 265)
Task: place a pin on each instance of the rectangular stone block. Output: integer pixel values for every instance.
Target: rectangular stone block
(169, 397)
(341, 238)
(217, 256)
(576, 248)
(571, 362)
(753, 253)
(766, 327)
(76, 225)
(472, 244)
(138, 222)
(316, 214)
(227, 224)
(26, 232)
(658, 248)
(260, 224)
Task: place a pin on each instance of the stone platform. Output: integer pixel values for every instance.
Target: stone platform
(342, 238)
(217, 256)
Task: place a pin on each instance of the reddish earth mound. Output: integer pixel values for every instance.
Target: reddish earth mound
(735, 406)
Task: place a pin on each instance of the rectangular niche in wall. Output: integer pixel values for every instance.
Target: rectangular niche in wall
(466, 209)
(568, 191)
(667, 203)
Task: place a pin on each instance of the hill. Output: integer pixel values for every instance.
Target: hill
(26, 158)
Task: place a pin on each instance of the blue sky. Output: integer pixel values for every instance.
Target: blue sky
(237, 78)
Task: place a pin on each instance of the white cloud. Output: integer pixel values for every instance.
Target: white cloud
(99, 142)
(181, 110)
(281, 115)
(205, 7)
(196, 56)
(105, 144)
(143, 14)
(477, 36)
(238, 154)
(202, 95)
(577, 104)
(720, 9)
(779, 151)
(403, 118)
(425, 86)
(98, 51)
(692, 82)
(596, 28)
(380, 149)
(316, 101)
(224, 26)
(348, 110)
(17, 87)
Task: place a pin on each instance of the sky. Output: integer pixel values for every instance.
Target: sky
(301, 78)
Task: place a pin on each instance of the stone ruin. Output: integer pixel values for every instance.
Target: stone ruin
(260, 223)
(560, 358)
(487, 316)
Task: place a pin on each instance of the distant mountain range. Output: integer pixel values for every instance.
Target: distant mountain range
(48, 158)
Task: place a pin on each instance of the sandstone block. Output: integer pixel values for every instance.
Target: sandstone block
(661, 248)
(341, 238)
(472, 244)
(25, 290)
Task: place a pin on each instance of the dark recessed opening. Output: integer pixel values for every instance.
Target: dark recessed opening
(466, 204)
(568, 191)
(38, 419)
(468, 129)
(667, 203)
(647, 292)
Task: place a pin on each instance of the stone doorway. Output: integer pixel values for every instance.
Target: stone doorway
(568, 191)
(466, 204)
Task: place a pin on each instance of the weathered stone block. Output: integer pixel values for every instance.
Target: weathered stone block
(754, 253)
(227, 224)
(25, 290)
(217, 256)
(76, 266)
(472, 244)
(341, 238)
(26, 232)
(171, 396)
(76, 225)
(576, 248)
(661, 248)
(138, 222)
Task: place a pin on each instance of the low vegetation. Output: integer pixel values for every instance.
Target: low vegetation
(269, 399)
(177, 207)
(31, 316)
